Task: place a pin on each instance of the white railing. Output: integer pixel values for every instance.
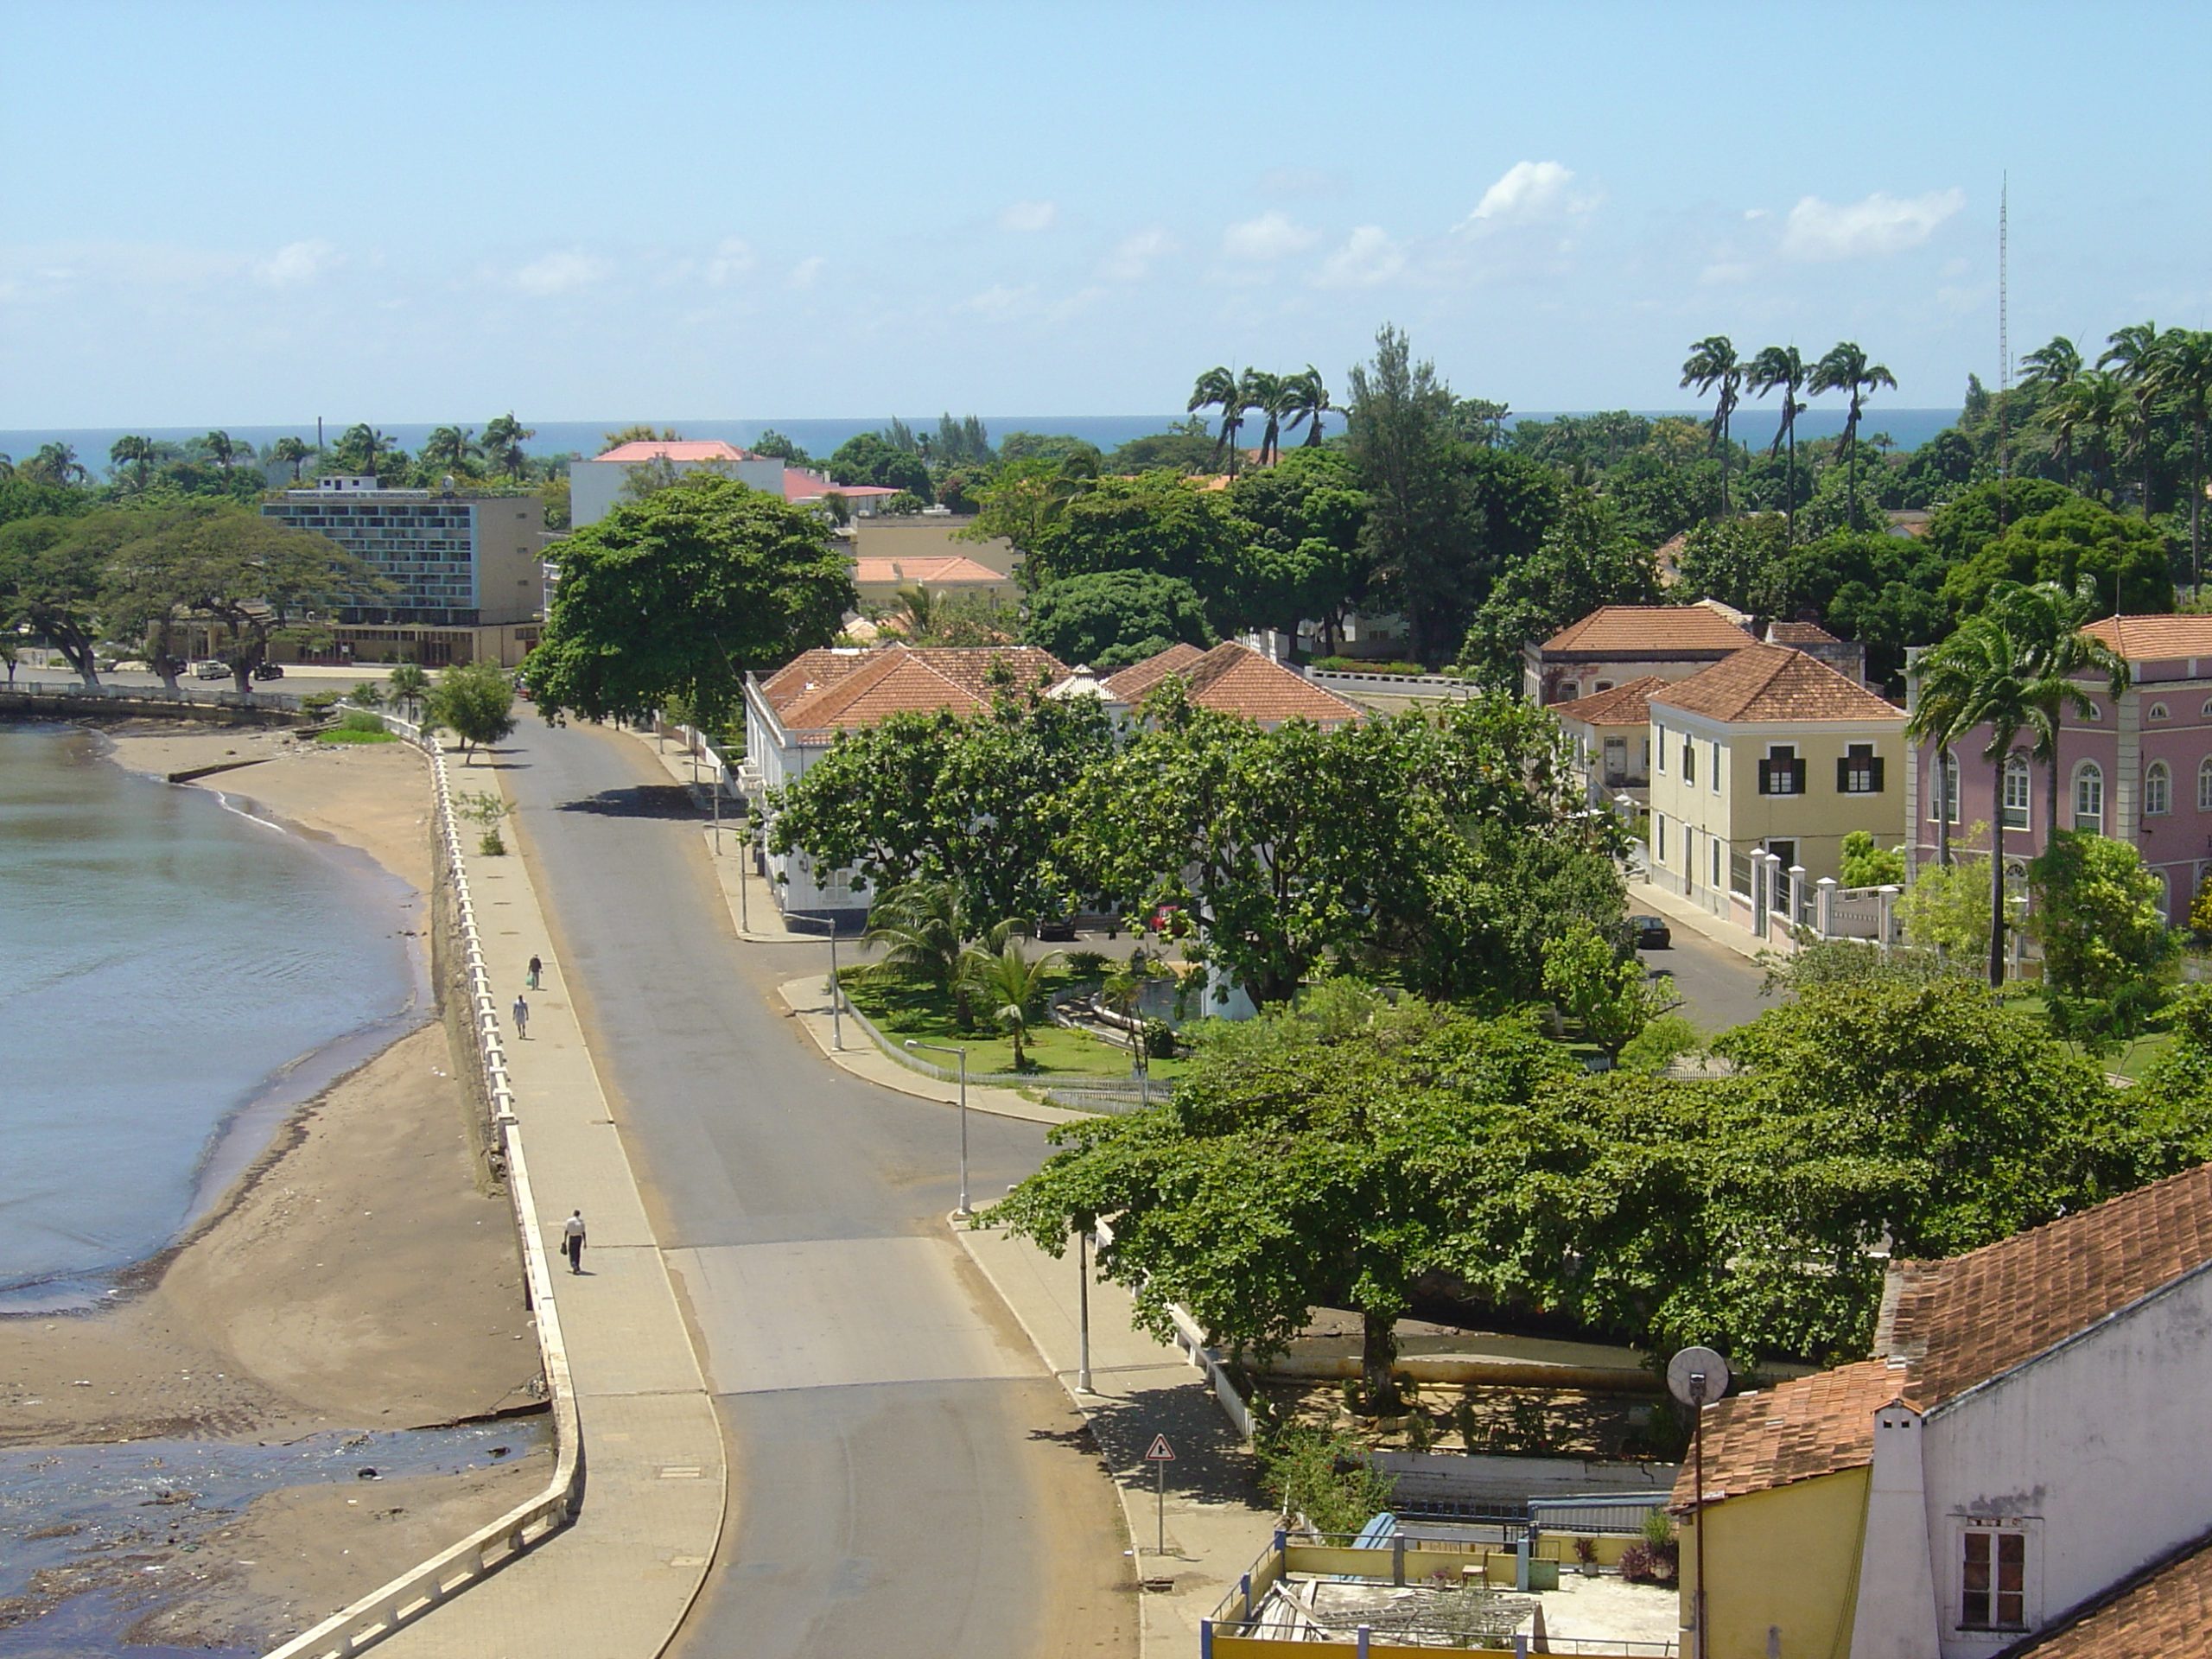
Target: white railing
(284, 702)
(1333, 679)
(414, 1592)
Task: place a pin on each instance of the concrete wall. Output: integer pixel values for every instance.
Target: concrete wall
(1551, 680)
(1784, 1561)
(595, 487)
(509, 578)
(928, 537)
(792, 878)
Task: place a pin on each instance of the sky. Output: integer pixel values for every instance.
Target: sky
(238, 214)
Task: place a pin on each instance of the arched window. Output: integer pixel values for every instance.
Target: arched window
(2207, 710)
(2204, 786)
(2092, 713)
(2159, 711)
(2016, 793)
(1944, 788)
(2089, 797)
(2157, 790)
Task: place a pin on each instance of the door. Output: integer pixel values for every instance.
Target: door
(1616, 761)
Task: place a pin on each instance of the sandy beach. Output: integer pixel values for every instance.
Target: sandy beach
(363, 1274)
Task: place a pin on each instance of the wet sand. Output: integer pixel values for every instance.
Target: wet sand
(361, 1274)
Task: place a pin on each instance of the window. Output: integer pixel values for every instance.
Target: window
(1992, 1579)
(2016, 793)
(1659, 831)
(1689, 761)
(1716, 766)
(1604, 685)
(1859, 770)
(2089, 797)
(1782, 773)
(1662, 731)
(1943, 787)
(2204, 786)
(2159, 711)
(2092, 714)
(2157, 790)
(1714, 881)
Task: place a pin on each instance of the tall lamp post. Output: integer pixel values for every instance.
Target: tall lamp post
(836, 989)
(1082, 1310)
(915, 1043)
(1697, 1377)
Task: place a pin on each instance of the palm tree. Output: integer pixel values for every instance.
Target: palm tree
(2083, 417)
(6, 468)
(56, 463)
(1218, 388)
(2047, 620)
(1779, 366)
(1306, 401)
(2185, 375)
(132, 451)
(2133, 352)
(922, 615)
(363, 440)
(503, 438)
(407, 685)
(1010, 985)
(1846, 369)
(1712, 366)
(221, 448)
(454, 446)
(2051, 369)
(917, 926)
(1264, 392)
(290, 451)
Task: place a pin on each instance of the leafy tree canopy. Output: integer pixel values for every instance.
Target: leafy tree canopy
(2108, 955)
(1111, 619)
(2126, 559)
(1585, 560)
(1155, 522)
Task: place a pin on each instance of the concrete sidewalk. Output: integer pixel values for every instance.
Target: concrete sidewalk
(1682, 913)
(618, 1581)
(1216, 1522)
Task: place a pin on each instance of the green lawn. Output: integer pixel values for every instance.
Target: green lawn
(348, 734)
(2130, 1061)
(903, 1009)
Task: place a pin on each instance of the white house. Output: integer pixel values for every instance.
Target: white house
(595, 486)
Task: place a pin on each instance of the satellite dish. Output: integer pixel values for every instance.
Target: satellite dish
(1697, 1376)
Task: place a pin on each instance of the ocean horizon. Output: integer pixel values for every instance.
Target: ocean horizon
(1907, 429)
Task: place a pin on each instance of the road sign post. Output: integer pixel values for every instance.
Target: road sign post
(1159, 1456)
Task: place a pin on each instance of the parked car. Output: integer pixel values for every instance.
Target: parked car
(1056, 930)
(268, 670)
(1651, 933)
(212, 668)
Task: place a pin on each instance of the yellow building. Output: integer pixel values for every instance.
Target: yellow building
(1769, 751)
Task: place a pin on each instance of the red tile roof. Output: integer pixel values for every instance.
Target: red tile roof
(1949, 1325)
(1129, 685)
(949, 567)
(677, 450)
(1774, 684)
(826, 691)
(1800, 634)
(2155, 639)
(2165, 1609)
(1235, 679)
(1663, 631)
(800, 484)
(1627, 705)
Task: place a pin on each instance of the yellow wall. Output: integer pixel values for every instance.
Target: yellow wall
(1787, 1559)
(1817, 820)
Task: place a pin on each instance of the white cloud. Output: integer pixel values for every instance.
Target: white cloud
(559, 273)
(807, 272)
(1528, 190)
(731, 258)
(1722, 271)
(296, 263)
(1029, 216)
(1368, 257)
(1133, 257)
(999, 300)
(1269, 236)
(1752, 213)
(1881, 224)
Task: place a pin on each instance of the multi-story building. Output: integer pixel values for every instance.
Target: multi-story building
(458, 565)
(596, 485)
(1618, 642)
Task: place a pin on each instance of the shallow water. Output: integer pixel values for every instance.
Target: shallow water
(175, 974)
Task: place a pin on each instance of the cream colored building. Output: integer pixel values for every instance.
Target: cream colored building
(1773, 751)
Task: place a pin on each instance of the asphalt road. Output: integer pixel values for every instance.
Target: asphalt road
(1718, 987)
(903, 1478)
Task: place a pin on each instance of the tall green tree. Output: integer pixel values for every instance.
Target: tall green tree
(1779, 368)
(1399, 437)
(2108, 953)
(2135, 354)
(289, 451)
(2085, 416)
(55, 463)
(1845, 369)
(454, 448)
(1714, 369)
(1306, 401)
(409, 689)
(137, 453)
(2186, 376)
(2047, 620)
(475, 702)
(1585, 560)
(1265, 393)
(1109, 619)
(1219, 388)
(681, 596)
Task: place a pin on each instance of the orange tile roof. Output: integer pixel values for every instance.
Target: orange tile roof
(1774, 683)
(1950, 1326)
(947, 567)
(676, 450)
(1234, 679)
(1626, 704)
(2165, 1608)
(1800, 634)
(2155, 639)
(1667, 631)
(840, 691)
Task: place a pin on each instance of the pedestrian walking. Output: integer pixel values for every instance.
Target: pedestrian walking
(522, 1016)
(572, 1240)
(535, 968)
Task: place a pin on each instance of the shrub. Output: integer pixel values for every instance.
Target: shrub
(1324, 1478)
(1361, 665)
(1649, 1563)
(1088, 964)
(359, 720)
(319, 703)
(1160, 1042)
(489, 846)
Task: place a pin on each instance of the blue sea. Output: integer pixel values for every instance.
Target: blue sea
(1908, 427)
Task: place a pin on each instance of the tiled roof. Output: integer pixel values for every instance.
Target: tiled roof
(839, 690)
(948, 567)
(1774, 683)
(1235, 679)
(1130, 684)
(800, 484)
(1627, 705)
(2165, 1609)
(1650, 631)
(1800, 634)
(677, 450)
(1949, 1325)
(2155, 639)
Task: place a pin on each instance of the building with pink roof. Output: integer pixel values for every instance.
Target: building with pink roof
(595, 486)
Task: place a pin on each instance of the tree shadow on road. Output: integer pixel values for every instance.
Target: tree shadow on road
(639, 801)
(1211, 1461)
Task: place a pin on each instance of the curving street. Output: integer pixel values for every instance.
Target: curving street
(905, 1476)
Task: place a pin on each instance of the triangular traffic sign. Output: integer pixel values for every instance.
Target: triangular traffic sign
(1162, 1452)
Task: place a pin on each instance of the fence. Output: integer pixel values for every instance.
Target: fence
(71, 692)
(384, 1610)
(1404, 685)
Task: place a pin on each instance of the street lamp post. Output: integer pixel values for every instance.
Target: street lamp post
(836, 989)
(915, 1043)
(1082, 1311)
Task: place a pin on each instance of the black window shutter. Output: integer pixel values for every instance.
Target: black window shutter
(1766, 777)
(1843, 774)
(1797, 777)
(1876, 767)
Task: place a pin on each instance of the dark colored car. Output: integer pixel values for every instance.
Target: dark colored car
(268, 671)
(1056, 930)
(1651, 933)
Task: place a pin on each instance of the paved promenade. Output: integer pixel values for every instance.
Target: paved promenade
(615, 1584)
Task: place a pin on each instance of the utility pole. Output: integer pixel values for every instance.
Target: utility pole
(2004, 361)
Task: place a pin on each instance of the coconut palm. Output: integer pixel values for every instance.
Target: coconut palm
(2083, 418)
(407, 686)
(917, 925)
(1306, 401)
(1009, 986)
(221, 448)
(2050, 368)
(1711, 367)
(56, 463)
(132, 451)
(1846, 369)
(6, 468)
(364, 441)
(2047, 620)
(1219, 388)
(503, 438)
(451, 447)
(1780, 367)
(2185, 377)
(2134, 355)
(290, 451)
(1264, 392)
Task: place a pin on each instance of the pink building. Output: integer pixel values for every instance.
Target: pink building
(2140, 769)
